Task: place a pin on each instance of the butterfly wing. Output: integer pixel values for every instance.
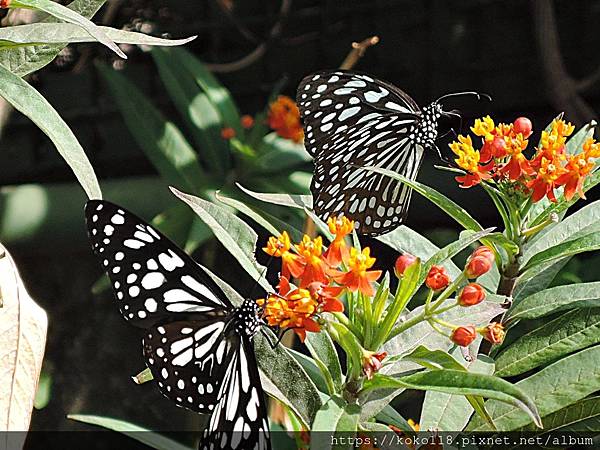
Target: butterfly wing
(152, 278)
(188, 360)
(240, 418)
(351, 121)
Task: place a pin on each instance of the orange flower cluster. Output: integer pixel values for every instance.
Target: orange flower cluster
(284, 118)
(501, 158)
(320, 277)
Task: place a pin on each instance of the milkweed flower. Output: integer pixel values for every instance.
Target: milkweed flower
(493, 333)
(337, 251)
(358, 277)
(372, 362)
(468, 160)
(437, 278)
(279, 247)
(311, 252)
(463, 336)
(284, 118)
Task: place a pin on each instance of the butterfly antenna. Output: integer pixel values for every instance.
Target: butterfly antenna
(459, 94)
(262, 275)
(279, 338)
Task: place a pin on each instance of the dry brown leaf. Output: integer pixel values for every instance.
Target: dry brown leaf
(23, 326)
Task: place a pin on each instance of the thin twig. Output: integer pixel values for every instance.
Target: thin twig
(358, 51)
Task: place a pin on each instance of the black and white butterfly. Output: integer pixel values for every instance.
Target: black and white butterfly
(197, 344)
(352, 120)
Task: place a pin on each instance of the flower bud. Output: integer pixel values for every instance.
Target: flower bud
(437, 278)
(403, 262)
(472, 294)
(483, 250)
(480, 262)
(372, 362)
(247, 121)
(4, 3)
(463, 336)
(493, 333)
(227, 133)
(523, 125)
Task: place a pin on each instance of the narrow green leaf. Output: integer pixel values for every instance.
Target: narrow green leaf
(24, 60)
(219, 96)
(235, 235)
(566, 334)
(583, 416)
(162, 142)
(143, 435)
(201, 116)
(582, 244)
(454, 210)
(68, 15)
(462, 383)
(433, 359)
(537, 278)
(311, 369)
(270, 223)
(291, 200)
(26, 99)
(447, 412)
(335, 416)
(554, 387)
(556, 299)
(277, 154)
(390, 416)
(322, 350)
(581, 223)
(62, 33)
(405, 240)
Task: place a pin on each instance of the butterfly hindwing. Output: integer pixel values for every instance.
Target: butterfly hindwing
(152, 278)
(189, 359)
(240, 418)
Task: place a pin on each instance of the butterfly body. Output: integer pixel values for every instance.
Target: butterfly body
(352, 121)
(197, 345)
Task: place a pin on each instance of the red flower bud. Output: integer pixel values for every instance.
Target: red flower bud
(523, 125)
(403, 262)
(493, 333)
(437, 278)
(463, 336)
(372, 362)
(227, 133)
(247, 121)
(483, 250)
(471, 294)
(4, 3)
(477, 266)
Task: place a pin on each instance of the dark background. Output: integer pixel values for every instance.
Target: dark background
(534, 58)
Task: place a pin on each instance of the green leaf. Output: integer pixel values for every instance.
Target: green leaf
(338, 417)
(566, 334)
(583, 416)
(554, 387)
(582, 244)
(405, 240)
(291, 200)
(581, 223)
(62, 33)
(311, 369)
(162, 142)
(447, 412)
(537, 278)
(390, 416)
(270, 223)
(452, 249)
(218, 95)
(455, 211)
(459, 382)
(24, 60)
(277, 154)
(24, 98)
(68, 15)
(201, 116)
(143, 435)
(433, 359)
(325, 355)
(556, 299)
(235, 235)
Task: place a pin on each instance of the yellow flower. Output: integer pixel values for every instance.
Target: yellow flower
(278, 246)
(340, 226)
(468, 157)
(484, 127)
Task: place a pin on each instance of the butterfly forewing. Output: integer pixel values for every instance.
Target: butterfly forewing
(189, 359)
(152, 278)
(240, 417)
(351, 121)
